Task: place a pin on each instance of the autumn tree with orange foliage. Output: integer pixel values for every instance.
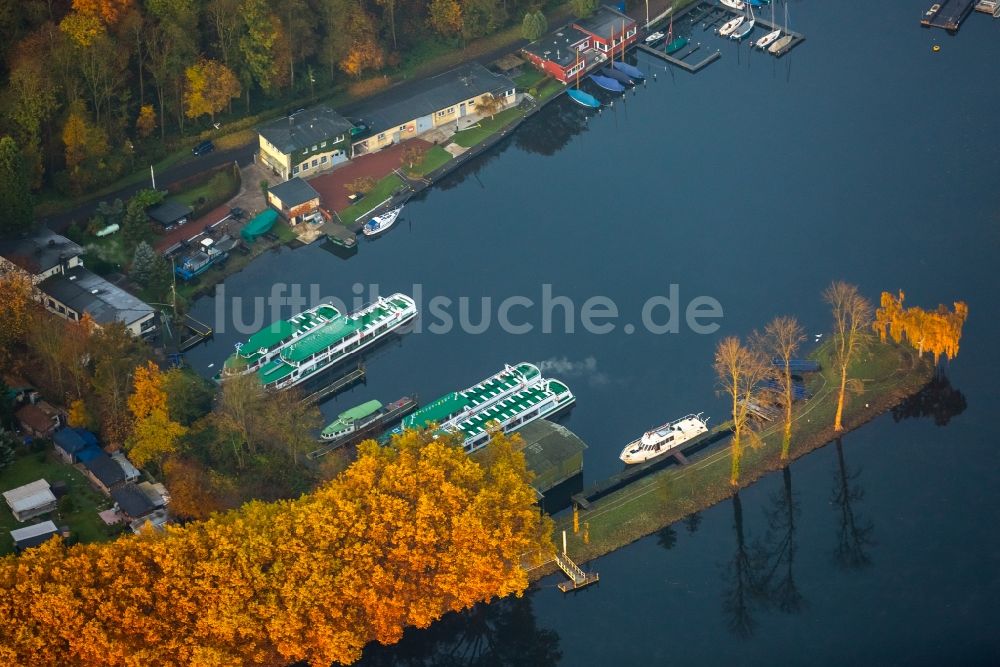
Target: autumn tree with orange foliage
(404, 535)
(938, 332)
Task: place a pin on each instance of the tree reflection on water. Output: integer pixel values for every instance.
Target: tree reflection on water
(854, 535)
(938, 399)
(500, 634)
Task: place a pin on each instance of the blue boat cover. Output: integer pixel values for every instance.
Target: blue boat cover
(632, 71)
(89, 453)
(580, 97)
(607, 83)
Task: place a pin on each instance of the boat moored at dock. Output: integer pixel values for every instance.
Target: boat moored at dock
(607, 83)
(381, 223)
(664, 439)
(350, 421)
(287, 352)
(630, 70)
(729, 26)
(508, 400)
(583, 99)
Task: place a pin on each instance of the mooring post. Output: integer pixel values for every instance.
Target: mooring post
(586, 532)
(576, 518)
(564, 543)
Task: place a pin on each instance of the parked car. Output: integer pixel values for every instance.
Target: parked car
(203, 148)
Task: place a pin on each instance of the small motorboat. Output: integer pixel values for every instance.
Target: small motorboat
(607, 83)
(729, 26)
(382, 222)
(767, 39)
(631, 70)
(582, 98)
(664, 439)
(654, 38)
(620, 77)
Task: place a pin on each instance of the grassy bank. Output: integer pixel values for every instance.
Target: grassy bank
(890, 373)
(382, 191)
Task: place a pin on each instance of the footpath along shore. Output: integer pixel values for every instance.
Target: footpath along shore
(890, 374)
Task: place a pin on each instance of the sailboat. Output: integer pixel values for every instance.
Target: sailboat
(733, 4)
(607, 83)
(767, 39)
(780, 45)
(577, 95)
(729, 26)
(621, 65)
(612, 73)
(674, 44)
(744, 28)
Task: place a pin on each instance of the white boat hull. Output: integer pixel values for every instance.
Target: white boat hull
(381, 223)
(663, 440)
(768, 39)
(729, 26)
(733, 4)
(743, 30)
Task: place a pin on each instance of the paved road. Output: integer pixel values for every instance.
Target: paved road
(244, 156)
(185, 169)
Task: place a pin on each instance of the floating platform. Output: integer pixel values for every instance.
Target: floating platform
(577, 577)
(947, 14)
(694, 68)
(713, 15)
(552, 452)
(339, 384)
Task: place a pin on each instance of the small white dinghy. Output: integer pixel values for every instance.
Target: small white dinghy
(767, 39)
(729, 26)
(380, 223)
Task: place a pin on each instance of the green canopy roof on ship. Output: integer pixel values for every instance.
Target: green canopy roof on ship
(344, 419)
(437, 411)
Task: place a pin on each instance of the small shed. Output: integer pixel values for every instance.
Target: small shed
(170, 214)
(132, 502)
(32, 536)
(295, 199)
(69, 442)
(30, 500)
(104, 472)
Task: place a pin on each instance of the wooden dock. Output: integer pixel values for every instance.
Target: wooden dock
(191, 333)
(947, 14)
(710, 16)
(577, 577)
(677, 62)
(635, 472)
(339, 384)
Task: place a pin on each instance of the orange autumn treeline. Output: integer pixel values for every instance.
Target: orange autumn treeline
(402, 536)
(937, 332)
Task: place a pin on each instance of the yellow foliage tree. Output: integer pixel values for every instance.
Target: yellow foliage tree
(938, 332)
(446, 16)
(15, 313)
(210, 87)
(145, 123)
(78, 416)
(107, 11)
(82, 28)
(154, 435)
(404, 535)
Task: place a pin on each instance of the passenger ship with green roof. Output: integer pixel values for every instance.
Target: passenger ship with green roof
(288, 352)
(512, 398)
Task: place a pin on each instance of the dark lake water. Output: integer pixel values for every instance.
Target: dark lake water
(860, 156)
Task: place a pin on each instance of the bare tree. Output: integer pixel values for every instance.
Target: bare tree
(852, 316)
(740, 371)
(781, 340)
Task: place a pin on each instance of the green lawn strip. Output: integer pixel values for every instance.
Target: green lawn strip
(433, 159)
(529, 78)
(486, 128)
(382, 191)
(86, 502)
(549, 88)
(217, 190)
(889, 372)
